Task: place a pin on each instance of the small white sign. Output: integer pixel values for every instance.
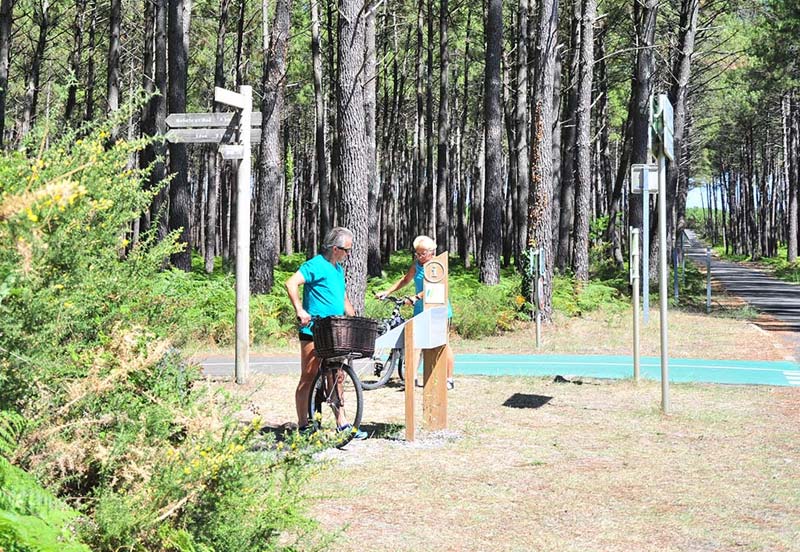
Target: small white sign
(668, 121)
(637, 178)
(434, 294)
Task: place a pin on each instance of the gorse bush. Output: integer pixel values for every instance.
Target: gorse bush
(104, 428)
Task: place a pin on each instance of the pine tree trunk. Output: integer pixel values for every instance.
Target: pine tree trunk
(77, 47)
(493, 115)
(540, 232)
(42, 16)
(266, 242)
(113, 72)
(521, 134)
(179, 192)
(354, 147)
(88, 111)
(374, 182)
(563, 252)
(321, 163)
(6, 19)
(442, 158)
(583, 142)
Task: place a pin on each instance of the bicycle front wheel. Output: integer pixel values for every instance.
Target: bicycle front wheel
(335, 402)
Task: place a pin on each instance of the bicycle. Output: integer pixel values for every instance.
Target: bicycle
(377, 372)
(336, 385)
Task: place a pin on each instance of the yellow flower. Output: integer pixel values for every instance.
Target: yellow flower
(32, 216)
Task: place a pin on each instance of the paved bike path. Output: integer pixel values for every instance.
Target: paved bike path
(741, 372)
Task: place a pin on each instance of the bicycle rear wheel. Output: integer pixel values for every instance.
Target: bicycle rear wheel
(376, 371)
(331, 407)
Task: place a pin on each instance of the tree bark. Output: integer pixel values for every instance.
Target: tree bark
(179, 192)
(113, 72)
(43, 17)
(370, 109)
(442, 158)
(563, 248)
(354, 147)
(266, 243)
(521, 135)
(583, 142)
(322, 180)
(493, 193)
(540, 232)
(6, 20)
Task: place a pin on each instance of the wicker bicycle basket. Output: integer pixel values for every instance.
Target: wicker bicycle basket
(341, 335)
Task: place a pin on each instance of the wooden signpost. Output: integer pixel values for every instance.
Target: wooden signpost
(235, 132)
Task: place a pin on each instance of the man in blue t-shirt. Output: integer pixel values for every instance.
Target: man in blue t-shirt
(324, 294)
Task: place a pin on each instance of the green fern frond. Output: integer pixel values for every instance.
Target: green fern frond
(12, 425)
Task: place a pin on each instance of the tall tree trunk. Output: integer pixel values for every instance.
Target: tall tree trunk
(584, 142)
(790, 154)
(563, 249)
(113, 70)
(540, 232)
(214, 167)
(370, 109)
(463, 221)
(77, 48)
(677, 170)
(354, 146)
(179, 192)
(493, 194)
(417, 200)
(6, 20)
(322, 181)
(521, 135)
(43, 18)
(266, 243)
(88, 111)
(641, 91)
(442, 158)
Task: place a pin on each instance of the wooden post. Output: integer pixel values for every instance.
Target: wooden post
(435, 294)
(434, 392)
(411, 356)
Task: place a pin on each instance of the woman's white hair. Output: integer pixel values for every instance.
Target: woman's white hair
(424, 242)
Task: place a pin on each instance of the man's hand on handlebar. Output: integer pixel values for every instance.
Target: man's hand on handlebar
(303, 317)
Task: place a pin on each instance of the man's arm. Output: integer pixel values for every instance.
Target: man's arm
(348, 306)
(293, 290)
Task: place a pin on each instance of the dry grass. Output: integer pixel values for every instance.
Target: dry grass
(567, 467)
(529, 464)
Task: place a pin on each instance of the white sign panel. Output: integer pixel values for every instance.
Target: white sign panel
(668, 120)
(637, 178)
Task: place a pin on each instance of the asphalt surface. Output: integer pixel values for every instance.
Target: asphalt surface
(571, 367)
(763, 292)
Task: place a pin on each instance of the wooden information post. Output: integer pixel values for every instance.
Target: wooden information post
(426, 332)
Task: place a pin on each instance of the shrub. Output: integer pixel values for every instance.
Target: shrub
(113, 417)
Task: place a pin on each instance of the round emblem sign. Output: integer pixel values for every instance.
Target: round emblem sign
(434, 271)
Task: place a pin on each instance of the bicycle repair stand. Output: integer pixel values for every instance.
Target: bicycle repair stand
(426, 332)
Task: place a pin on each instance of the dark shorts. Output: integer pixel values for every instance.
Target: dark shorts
(305, 337)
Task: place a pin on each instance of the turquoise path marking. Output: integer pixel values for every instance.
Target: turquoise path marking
(780, 373)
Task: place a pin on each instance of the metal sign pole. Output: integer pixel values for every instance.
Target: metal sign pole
(662, 287)
(646, 247)
(634, 277)
(708, 280)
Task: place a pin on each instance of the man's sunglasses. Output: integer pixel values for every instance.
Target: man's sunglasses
(343, 248)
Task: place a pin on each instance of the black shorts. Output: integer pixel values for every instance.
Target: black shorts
(305, 337)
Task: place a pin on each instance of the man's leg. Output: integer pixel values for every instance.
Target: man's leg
(309, 366)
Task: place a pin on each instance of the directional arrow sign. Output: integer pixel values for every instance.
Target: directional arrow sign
(228, 97)
(209, 120)
(209, 135)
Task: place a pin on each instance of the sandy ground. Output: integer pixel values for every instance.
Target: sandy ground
(531, 464)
